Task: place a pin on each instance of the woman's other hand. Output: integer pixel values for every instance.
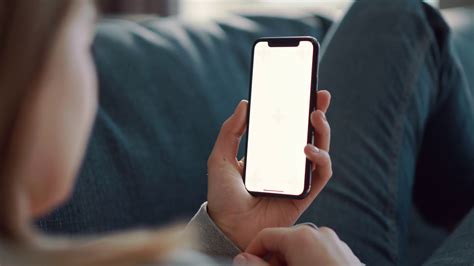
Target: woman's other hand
(299, 245)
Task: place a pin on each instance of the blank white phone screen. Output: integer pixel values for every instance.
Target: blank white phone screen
(278, 119)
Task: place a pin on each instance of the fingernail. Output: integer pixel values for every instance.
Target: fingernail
(313, 148)
(240, 103)
(240, 260)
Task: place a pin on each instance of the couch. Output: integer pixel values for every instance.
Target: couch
(166, 85)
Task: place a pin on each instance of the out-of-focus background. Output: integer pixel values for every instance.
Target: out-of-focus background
(162, 62)
(206, 8)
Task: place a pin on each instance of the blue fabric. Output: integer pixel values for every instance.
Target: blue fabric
(401, 115)
(166, 86)
(458, 249)
(462, 19)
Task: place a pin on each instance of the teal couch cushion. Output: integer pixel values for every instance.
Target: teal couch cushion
(166, 85)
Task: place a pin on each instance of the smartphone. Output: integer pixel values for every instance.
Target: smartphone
(283, 86)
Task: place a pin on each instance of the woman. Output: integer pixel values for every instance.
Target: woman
(49, 98)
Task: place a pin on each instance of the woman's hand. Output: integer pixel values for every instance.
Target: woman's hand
(237, 213)
(299, 245)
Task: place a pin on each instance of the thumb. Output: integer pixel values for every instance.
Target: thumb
(249, 259)
(228, 141)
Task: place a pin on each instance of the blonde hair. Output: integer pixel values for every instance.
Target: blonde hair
(28, 30)
(124, 249)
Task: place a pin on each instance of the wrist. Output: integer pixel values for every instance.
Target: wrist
(230, 229)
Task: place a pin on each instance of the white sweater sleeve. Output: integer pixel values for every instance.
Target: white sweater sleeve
(211, 240)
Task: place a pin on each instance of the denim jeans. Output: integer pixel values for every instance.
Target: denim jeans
(402, 122)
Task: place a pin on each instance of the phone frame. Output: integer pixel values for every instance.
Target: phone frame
(289, 41)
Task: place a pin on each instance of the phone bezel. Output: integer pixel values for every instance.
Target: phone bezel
(288, 41)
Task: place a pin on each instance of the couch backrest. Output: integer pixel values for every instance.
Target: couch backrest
(166, 85)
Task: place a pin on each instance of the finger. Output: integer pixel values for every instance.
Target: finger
(329, 233)
(323, 100)
(242, 161)
(323, 169)
(322, 129)
(227, 143)
(269, 240)
(241, 165)
(249, 259)
(346, 248)
(277, 259)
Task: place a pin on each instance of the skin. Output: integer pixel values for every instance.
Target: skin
(55, 120)
(229, 203)
(56, 117)
(300, 245)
